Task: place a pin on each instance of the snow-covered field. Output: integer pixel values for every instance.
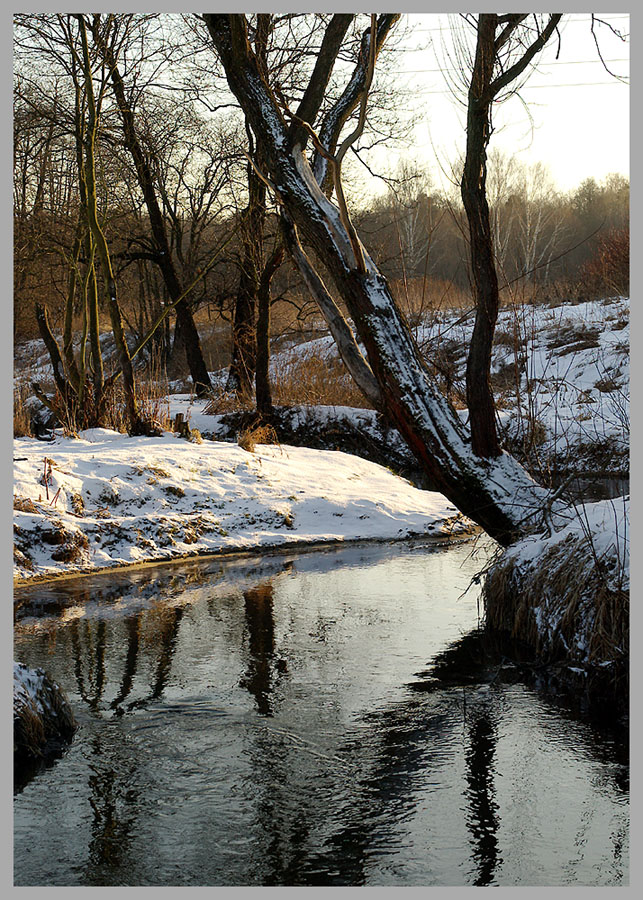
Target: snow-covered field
(105, 499)
(561, 376)
(564, 368)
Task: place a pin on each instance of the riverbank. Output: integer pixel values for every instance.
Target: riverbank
(43, 721)
(105, 499)
(565, 596)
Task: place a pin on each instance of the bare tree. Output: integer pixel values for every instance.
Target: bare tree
(80, 403)
(505, 46)
(497, 493)
(145, 165)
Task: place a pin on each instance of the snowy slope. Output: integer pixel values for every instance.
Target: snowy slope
(106, 499)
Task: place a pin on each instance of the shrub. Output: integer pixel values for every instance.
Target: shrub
(608, 270)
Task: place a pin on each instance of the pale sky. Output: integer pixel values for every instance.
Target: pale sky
(581, 115)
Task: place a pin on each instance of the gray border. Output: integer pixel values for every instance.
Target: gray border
(6, 356)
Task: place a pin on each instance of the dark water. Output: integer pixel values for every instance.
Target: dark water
(306, 720)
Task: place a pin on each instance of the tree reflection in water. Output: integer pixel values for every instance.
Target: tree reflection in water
(482, 820)
(261, 645)
(93, 636)
(330, 795)
(263, 661)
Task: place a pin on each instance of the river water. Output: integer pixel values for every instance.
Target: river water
(306, 719)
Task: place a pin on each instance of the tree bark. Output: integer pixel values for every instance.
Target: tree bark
(135, 422)
(244, 348)
(483, 89)
(263, 392)
(482, 414)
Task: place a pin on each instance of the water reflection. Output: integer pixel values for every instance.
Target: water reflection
(483, 819)
(258, 608)
(223, 741)
(132, 624)
(88, 647)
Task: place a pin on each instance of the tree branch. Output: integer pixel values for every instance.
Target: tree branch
(314, 94)
(518, 67)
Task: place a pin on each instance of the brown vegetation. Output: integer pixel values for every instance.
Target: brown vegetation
(564, 607)
(36, 723)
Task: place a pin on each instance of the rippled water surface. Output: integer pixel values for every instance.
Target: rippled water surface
(310, 719)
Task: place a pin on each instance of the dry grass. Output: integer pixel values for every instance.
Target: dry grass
(562, 606)
(224, 402)
(24, 504)
(152, 390)
(419, 299)
(33, 728)
(574, 338)
(315, 380)
(21, 413)
(262, 433)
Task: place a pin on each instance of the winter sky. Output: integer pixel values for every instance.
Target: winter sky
(571, 115)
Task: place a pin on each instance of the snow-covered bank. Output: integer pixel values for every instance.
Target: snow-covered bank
(105, 499)
(560, 377)
(566, 595)
(41, 714)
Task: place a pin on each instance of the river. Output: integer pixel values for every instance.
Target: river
(310, 718)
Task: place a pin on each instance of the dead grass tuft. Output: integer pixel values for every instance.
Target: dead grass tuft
(24, 504)
(21, 413)
(573, 338)
(36, 724)
(257, 434)
(316, 379)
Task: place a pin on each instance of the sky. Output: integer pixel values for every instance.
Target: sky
(580, 112)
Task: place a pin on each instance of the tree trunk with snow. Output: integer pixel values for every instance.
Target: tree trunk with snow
(497, 493)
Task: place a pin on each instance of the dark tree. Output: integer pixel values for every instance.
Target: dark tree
(502, 55)
(497, 493)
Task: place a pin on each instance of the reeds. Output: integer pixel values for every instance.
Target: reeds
(38, 719)
(561, 604)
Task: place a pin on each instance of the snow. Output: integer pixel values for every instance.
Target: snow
(604, 525)
(29, 689)
(580, 398)
(106, 499)
(573, 365)
(591, 543)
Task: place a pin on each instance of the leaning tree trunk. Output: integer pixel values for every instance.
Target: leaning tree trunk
(497, 493)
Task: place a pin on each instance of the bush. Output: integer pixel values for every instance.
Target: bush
(608, 270)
